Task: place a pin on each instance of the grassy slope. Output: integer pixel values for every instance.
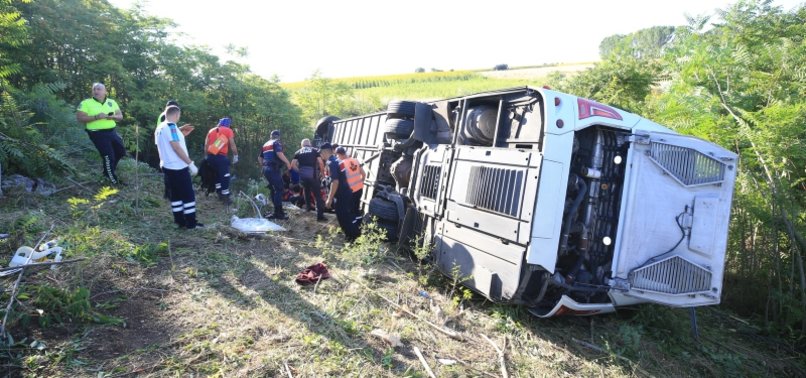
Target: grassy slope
(208, 302)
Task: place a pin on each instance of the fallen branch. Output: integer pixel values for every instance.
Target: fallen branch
(599, 349)
(79, 184)
(287, 369)
(34, 265)
(471, 367)
(452, 334)
(425, 364)
(13, 295)
(501, 359)
(71, 187)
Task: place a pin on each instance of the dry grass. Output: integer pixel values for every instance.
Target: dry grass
(217, 304)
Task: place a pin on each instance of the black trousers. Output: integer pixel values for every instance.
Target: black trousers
(110, 146)
(350, 225)
(183, 199)
(357, 202)
(312, 187)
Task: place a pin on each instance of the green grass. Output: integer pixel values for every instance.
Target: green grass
(423, 86)
(438, 90)
(151, 300)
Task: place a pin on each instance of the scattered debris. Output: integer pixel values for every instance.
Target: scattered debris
(392, 339)
(446, 361)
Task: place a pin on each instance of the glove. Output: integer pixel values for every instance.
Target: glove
(234, 159)
(193, 169)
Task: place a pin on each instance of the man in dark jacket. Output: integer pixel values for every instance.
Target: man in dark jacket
(310, 166)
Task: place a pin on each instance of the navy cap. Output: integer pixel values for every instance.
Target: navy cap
(171, 102)
(275, 133)
(326, 146)
(341, 150)
(224, 122)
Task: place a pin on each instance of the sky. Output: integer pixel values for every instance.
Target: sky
(293, 39)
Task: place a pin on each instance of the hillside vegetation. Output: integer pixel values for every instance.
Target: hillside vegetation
(151, 300)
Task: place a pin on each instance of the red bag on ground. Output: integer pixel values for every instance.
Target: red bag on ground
(313, 274)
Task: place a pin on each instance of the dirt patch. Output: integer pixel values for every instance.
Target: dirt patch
(145, 326)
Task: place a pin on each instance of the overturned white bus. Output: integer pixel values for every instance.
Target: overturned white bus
(548, 200)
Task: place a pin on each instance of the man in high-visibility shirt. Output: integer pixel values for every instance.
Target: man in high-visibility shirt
(100, 114)
(355, 178)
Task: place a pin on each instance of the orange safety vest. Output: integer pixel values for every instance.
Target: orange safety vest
(353, 174)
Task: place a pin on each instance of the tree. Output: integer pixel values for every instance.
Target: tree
(742, 84)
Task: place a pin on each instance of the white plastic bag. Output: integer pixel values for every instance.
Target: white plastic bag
(254, 225)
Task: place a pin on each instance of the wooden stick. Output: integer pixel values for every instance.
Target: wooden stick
(470, 366)
(452, 334)
(287, 369)
(13, 295)
(80, 185)
(425, 364)
(599, 349)
(41, 264)
(501, 359)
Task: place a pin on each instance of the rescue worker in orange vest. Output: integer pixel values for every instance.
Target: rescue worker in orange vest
(355, 177)
(217, 144)
(340, 194)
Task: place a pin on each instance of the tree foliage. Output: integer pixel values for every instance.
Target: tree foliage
(739, 81)
(74, 43)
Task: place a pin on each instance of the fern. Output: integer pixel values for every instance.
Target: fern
(22, 146)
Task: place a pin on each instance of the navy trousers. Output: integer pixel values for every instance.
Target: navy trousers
(110, 146)
(183, 199)
(275, 180)
(221, 165)
(350, 225)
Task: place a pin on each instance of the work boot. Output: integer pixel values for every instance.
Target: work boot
(277, 216)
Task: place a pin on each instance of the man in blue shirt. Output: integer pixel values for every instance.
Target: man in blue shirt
(272, 159)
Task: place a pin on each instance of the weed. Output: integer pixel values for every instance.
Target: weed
(57, 306)
(457, 278)
(29, 223)
(367, 250)
(388, 358)
(148, 253)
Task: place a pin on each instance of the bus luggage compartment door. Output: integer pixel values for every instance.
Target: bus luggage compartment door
(430, 179)
(488, 210)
